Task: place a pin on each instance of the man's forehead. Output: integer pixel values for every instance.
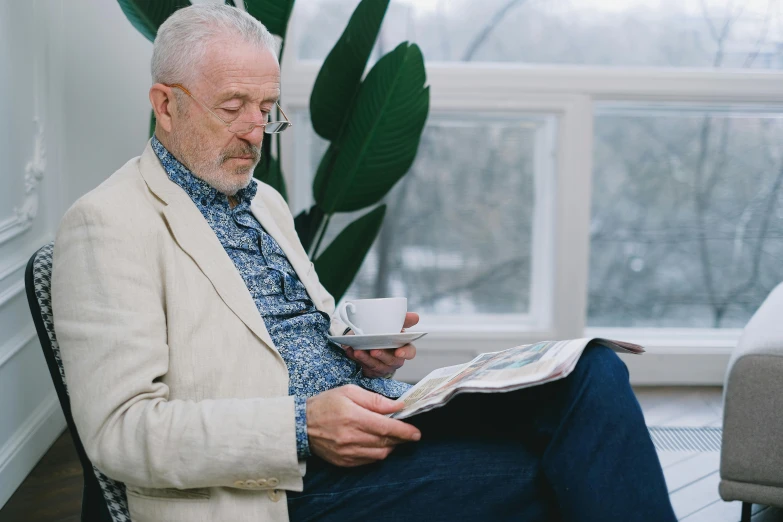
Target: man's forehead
(264, 94)
(241, 71)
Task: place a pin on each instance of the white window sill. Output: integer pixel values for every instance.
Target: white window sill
(675, 357)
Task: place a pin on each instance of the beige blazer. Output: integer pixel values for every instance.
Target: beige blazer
(176, 387)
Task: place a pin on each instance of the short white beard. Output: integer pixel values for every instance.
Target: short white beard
(225, 184)
(212, 171)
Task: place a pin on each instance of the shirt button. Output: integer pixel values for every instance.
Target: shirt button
(204, 201)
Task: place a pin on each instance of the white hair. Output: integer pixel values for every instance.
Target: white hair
(183, 38)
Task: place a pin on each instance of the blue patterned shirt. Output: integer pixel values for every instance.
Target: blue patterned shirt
(298, 330)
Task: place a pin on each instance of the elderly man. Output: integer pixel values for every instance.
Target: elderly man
(193, 331)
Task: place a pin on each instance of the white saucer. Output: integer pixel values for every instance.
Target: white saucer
(377, 341)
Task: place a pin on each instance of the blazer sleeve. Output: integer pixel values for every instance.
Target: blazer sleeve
(109, 315)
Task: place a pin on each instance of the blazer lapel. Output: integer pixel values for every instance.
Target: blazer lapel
(301, 264)
(198, 240)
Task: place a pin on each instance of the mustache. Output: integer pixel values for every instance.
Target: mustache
(247, 150)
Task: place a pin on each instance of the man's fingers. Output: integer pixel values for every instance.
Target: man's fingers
(411, 319)
(375, 367)
(372, 401)
(373, 423)
(364, 456)
(388, 358)
(368, 361)
(369, 440)
(376, 453)
(407, 352)
(391, 430)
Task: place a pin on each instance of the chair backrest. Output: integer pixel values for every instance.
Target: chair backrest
(103, 499)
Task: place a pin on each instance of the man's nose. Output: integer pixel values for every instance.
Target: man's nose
(255, 136)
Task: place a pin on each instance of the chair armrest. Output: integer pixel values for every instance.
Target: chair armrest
(752, 450)
(763, 335)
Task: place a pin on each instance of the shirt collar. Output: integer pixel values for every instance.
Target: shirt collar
(201, 192)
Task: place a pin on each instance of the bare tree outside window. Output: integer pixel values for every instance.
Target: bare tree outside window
(687, 227)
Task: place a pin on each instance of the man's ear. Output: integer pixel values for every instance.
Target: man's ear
(164, 104)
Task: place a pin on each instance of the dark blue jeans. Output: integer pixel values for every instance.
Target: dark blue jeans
(572, 450)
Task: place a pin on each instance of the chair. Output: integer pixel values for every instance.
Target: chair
(103, 499)
(751, 466)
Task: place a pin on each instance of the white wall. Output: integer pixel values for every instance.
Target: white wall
(81, 70)
(105, 87)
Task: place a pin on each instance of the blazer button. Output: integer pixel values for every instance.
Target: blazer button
(262, 483)
(273, 482)
(251, 484)
(239, 484)
(274, 495)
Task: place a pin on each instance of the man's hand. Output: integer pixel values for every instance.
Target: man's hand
(379, 363)
(347, 426)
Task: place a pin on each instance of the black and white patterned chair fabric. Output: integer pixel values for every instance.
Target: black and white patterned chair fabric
(113, 491)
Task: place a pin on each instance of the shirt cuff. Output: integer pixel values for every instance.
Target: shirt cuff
(300, 412)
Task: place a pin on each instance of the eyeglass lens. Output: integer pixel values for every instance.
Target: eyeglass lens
(273, 127)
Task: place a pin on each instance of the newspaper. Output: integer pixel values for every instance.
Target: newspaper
(512, 369)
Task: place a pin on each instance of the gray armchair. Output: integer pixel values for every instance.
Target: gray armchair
(751, 466)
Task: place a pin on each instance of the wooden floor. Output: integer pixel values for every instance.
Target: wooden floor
(52, 492)
(692, 477)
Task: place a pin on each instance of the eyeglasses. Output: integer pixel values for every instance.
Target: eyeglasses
(242, 127)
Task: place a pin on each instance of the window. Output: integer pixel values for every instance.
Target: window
(686, 222)
(458, 236)
(667, 33)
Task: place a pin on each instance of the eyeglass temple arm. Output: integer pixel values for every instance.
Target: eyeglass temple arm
(186, 91)
(179, 86)
(283, 113)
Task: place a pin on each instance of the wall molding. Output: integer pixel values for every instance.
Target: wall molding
(15, 345)
(13, 267)
(20, 454)
(17, 286)
(11, 292)
(24, 214)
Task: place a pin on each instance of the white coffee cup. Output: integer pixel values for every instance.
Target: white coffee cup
(374, 316)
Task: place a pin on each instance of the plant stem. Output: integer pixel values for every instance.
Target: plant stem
(321, 237)
(282, 49)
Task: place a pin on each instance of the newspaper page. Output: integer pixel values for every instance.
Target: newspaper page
(512, 369)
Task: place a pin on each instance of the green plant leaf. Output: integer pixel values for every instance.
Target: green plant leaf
(340, 76)
(268, 169)
(274, 14)
(147, 15)
(307, 224)
(382, 136)
(340, 261)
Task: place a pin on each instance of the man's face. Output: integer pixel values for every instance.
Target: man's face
(239, 82)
